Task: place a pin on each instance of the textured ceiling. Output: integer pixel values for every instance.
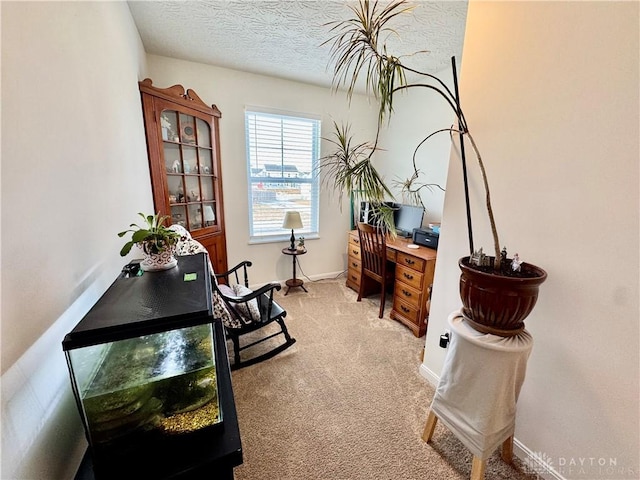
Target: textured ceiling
(283, 38)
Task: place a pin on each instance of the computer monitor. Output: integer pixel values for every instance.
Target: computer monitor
(407, 218)
(370, 212)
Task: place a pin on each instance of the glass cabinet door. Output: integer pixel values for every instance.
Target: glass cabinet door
(190, 170)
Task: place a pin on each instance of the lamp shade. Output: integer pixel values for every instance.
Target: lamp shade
(209, 216)
(292, 220)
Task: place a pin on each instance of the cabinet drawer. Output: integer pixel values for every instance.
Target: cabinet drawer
(406, 310)
(354, 238)
(408, 294)
(410, 261)
(353, 277)
(353, 263)
(409, 276)
(391, 255)
(353, 250)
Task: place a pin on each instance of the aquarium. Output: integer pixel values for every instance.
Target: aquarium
(149, 386)
(142, 364)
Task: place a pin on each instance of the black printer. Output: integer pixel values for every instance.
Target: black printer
(426, 237)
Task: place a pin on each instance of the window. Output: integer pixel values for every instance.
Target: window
(282, 158)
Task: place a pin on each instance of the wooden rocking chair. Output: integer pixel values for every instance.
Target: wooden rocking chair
(241, 310)
(250, 311)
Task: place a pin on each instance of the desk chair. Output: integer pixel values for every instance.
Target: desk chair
(241, 309)
(373, 255)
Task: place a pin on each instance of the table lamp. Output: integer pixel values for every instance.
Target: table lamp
(209, 216)
(292, 220)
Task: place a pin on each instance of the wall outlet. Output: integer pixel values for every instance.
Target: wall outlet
(444, 339)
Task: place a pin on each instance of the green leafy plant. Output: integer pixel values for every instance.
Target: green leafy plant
(153, 237)
(358, 49)
(349, 170)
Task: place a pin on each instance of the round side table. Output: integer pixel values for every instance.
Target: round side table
(294, 282)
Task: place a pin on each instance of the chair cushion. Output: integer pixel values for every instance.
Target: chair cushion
(248, 309)
(220, 309)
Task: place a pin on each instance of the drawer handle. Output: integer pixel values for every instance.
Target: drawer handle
(404, 309)
(409, 261)
(355, 252)
(354, 264)
(406, 294)
(408, 277)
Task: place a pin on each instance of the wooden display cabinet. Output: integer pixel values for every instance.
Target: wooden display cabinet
(183, 144)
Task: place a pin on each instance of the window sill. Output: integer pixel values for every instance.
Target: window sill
(282, 238)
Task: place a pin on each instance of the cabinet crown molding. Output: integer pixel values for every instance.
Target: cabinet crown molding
(178, 94)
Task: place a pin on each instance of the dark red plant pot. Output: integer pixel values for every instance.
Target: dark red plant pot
(498, 304)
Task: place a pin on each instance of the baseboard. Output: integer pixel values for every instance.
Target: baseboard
(327, 276)
(312, 278)
(537, 463)
(431, 376)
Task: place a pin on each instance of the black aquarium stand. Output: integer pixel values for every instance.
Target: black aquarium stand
(156, 302)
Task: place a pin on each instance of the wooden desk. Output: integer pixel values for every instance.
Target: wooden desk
(412, 284)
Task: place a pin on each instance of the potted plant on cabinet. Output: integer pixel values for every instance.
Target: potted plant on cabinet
(157, 242)
(497, 292)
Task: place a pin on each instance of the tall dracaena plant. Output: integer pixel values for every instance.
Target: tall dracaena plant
(357, 49)
(349, 170)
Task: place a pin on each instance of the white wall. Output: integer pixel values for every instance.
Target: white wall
(554, 110)
(550, 90)
(417, 113)
(74, 172)
(231, 91)
(75, 162)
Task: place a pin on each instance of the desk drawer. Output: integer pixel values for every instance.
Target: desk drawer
(406, 310)
(407, 294)
(353, 278)
(410, 261)
(353, 263)
(354, 238)
(354, 250)
(391, 255)
(409, 276)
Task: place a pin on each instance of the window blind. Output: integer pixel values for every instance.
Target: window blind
(282, 156)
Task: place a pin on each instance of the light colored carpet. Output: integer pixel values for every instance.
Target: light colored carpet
(346, 401)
